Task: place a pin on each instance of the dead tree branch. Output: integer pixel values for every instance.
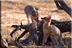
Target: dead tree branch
(62, 5)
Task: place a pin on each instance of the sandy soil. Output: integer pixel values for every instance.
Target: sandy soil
(13, 13)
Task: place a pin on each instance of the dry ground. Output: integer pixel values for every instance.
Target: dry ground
(13, 13)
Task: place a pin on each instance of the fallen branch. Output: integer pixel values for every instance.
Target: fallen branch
(62, 5)
(64, 26)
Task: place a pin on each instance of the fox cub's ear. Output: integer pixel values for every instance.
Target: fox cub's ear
(49, 17)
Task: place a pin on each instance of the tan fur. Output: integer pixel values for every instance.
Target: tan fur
(52, 31)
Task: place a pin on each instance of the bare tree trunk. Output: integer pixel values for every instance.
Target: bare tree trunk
(62, 5)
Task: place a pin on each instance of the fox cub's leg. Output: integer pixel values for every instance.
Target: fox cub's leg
(32, 18)
(56, 38)
(28, 19)
(53, 39)
(43, 40)
(46, 35)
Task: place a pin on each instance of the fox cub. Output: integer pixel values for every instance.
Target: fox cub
(52, 31)
(32, 12)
